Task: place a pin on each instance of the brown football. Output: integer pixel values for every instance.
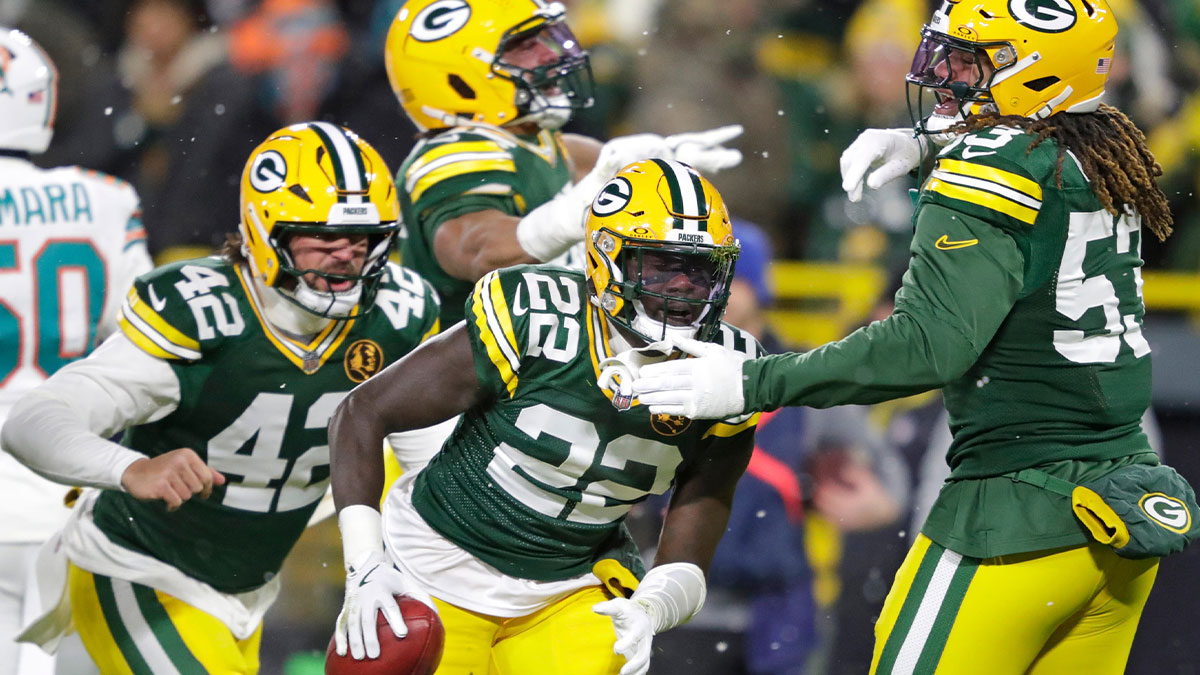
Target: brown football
(416, 654)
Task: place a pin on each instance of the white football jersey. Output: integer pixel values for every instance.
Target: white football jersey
(71, 244)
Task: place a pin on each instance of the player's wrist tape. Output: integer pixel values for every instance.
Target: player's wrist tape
(671, 594)
(549, 230)
(362, 533)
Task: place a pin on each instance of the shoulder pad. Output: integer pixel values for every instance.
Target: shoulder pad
(989, 171)
(162, 311)
(502, 306)
(405, 295)
(456, 153)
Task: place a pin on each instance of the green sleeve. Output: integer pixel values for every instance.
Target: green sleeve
(433, 217)
(963, 278)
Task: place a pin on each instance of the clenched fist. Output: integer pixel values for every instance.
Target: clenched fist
(173, 477)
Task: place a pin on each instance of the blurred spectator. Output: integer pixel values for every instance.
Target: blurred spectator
(174, 119)
(294, 46)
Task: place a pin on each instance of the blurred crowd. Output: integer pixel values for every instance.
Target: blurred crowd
(172, 95)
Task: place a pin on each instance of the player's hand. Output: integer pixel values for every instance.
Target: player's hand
(877, 157)
(173, 477)
(705, 151)
(706, 387)
(635, 631)
(624, 150)
(371, 584)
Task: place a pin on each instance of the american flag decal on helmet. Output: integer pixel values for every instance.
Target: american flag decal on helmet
(1103, 65)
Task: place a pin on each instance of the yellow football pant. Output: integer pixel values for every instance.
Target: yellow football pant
(131, 629)
(565, 638)
(1071, 610)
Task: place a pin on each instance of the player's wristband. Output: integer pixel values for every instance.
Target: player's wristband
(362, 534)
(671, 594)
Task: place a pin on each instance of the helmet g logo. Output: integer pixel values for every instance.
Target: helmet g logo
(1166, 511)
(613, 197)
(440, 19)
(1047, 16)
(268, 172)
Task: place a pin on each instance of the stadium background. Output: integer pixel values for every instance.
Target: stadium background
(172, 95)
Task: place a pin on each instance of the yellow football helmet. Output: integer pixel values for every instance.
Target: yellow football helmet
(660, 251)
(456, 61)
(1047, 56)
(317, 178)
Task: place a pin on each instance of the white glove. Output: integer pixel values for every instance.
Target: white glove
(549, 230)
(370, 584)
(705, 150)
(670, 594)
(635, 631)
(886, 153)
(706, 387)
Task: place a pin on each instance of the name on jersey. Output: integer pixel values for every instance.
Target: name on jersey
(45, 205)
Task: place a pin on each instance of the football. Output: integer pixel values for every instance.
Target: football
(417, 654)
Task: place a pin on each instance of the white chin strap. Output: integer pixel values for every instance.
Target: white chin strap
(322, 303)
(936, 124)
(657, 330)
(549, 112)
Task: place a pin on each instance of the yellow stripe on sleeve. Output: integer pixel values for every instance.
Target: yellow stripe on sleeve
(160, 325)
(983, 198)
(144, 343)
(488, 316)
(437, 152)
(990, 173)
(457, 169)
(726, 430)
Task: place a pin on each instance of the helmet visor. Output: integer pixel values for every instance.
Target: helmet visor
(954, 68)
(679, 287)
(546, 63)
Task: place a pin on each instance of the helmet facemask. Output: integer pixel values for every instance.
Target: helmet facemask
(668, 289)
(957, 74)
(547, 93)
(335, 304)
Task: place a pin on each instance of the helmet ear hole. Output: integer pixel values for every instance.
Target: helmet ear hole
(461, 87)
(1042, 82)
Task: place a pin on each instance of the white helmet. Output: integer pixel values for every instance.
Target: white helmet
(28, 93)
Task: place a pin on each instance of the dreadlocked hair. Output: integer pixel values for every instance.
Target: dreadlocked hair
(1112, 151)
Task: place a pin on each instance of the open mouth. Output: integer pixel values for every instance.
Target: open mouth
(947, 105)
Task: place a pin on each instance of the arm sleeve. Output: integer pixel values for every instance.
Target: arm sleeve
(59, 429)
(963, 278)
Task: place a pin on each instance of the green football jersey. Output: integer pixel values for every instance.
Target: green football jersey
(537, 482)
(255, 404)
(468, 169)
(1023, 300)
(1067, 374)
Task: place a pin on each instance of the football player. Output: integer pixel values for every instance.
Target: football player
(492, 181)
(514, 531)
(71, 243)
(1023, 303)
(223, 377)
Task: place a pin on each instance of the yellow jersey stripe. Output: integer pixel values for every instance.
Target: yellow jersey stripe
(433, 330)
(144, 343)
(501, 349)
(457, 169)
(159, 324)
(985, 199)
(438, 151)
(726, 430)
(990, 173)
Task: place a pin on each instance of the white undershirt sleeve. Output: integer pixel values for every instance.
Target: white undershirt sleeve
(60, 429)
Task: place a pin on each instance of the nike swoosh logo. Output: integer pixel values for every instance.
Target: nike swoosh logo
(157, 303)
(517, 309)
(968, 153)
(363, 582)
(945, 244)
